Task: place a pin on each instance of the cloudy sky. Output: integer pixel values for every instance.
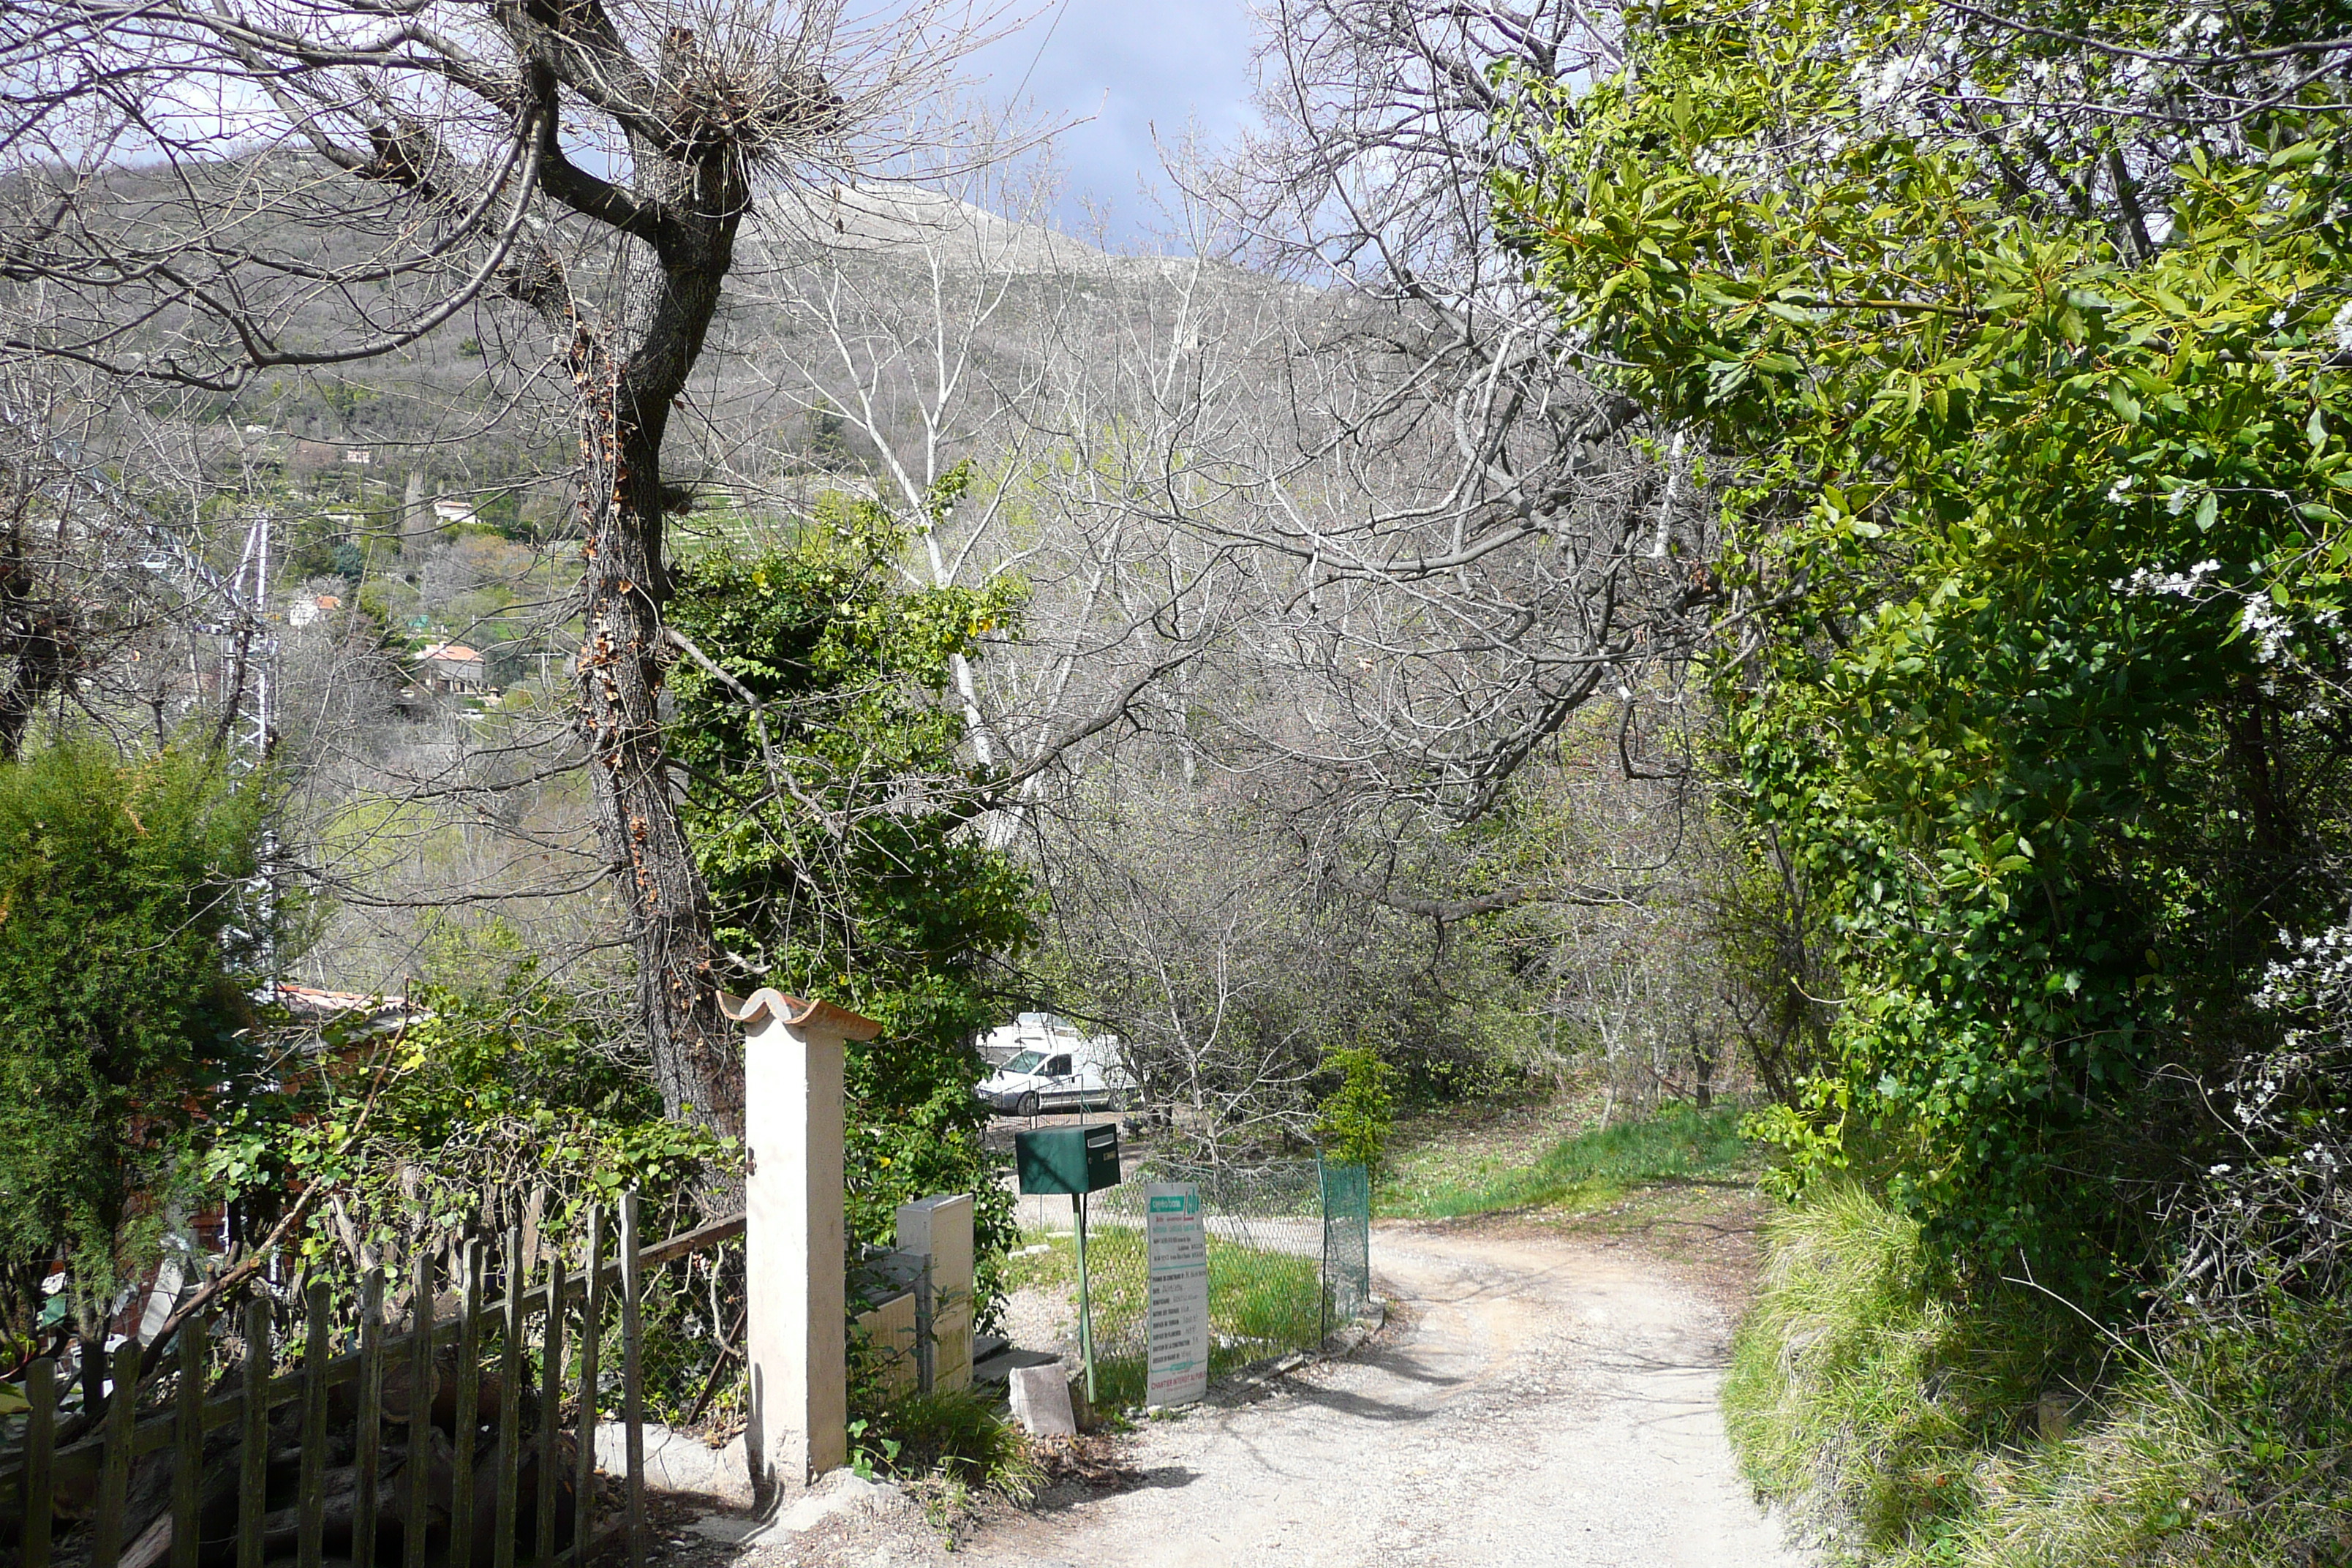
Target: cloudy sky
(1128, 67)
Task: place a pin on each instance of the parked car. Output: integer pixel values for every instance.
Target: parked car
(1083, 1074)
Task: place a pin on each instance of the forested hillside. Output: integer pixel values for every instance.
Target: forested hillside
(1790, 554)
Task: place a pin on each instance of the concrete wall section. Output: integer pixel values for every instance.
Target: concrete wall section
(940, 1228)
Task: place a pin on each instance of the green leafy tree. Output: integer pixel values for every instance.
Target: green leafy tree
(836, 823)
(2043, 548)
(131, 944)
(1357, 1117)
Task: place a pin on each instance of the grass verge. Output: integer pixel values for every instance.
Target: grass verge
(1906, 1427)
(1261, 1303)
(1442, 1179)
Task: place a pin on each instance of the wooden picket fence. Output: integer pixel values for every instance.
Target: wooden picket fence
(382, 1515)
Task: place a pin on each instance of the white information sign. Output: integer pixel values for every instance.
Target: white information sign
(1177, 1248)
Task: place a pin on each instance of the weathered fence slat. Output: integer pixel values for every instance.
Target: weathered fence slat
(188, 1445)
(40, 1430)
(367, 1462)
(551, 1407)
(99, 1465)
(592, 1336)
(507, 1454)
(311, 1526)
(469, 1407)
(253, 1438)
(157, 1433)
(420, 1405)
(114, 1472)
(633, 1388)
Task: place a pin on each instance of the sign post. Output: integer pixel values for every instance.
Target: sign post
(1177, 1250)
(1085, 1306)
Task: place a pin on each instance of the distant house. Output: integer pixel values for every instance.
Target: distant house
(308, 609)
(359, 456)
(455, 669)
(451, 511)
(360, 1015)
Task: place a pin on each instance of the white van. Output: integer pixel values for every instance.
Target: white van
(1074, 1074)
(1047, 1032)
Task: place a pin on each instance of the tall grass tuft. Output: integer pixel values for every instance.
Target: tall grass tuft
(1906, 1427)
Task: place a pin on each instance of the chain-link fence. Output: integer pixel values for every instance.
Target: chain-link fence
(1289, 1246)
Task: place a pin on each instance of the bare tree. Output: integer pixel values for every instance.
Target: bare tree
(1468, 547)
(112, 609)
(198, 192)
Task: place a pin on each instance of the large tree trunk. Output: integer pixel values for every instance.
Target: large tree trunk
(619, 674)
(626, 378)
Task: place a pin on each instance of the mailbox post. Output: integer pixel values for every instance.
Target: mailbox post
(1076, 1161)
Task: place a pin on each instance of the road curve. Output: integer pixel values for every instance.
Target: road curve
(1538, 1402)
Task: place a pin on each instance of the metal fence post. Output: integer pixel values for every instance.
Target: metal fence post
(1323, 1209)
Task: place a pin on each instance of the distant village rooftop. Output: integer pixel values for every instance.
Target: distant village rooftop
(453, 667)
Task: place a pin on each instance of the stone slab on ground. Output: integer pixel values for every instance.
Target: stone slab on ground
(1041, 1401)
(679, 1462)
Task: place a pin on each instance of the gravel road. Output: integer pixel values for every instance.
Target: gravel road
(1539, 1399)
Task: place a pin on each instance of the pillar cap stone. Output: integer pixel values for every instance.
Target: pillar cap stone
(822, 1018)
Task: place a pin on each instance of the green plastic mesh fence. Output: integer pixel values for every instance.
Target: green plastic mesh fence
(1347, 1244)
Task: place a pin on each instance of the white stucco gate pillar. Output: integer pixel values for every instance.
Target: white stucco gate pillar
(794, 1236)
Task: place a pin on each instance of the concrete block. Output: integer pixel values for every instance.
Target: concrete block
(1041, 1401)
(832, 1496)
(890, 1329)
(940, 1229)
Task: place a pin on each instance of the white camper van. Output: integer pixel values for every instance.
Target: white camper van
(1074, 1072)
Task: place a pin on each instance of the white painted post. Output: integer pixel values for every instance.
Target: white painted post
(794, 1236)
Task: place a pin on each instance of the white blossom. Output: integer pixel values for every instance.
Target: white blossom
(2178, 584)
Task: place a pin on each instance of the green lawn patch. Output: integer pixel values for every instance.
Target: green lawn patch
(1583, 1171)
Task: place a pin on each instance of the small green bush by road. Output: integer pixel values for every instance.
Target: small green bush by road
(1586, 1170)
(1916, 1428)
(1356, 1118)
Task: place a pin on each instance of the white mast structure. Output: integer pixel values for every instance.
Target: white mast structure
(230, 608)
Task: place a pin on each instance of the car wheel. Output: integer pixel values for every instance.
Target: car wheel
(1027, 1107)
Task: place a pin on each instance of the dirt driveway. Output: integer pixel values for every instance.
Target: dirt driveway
(1539, 1399)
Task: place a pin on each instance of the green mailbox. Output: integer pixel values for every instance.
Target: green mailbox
(1076, 1161)
(1070, 1160)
